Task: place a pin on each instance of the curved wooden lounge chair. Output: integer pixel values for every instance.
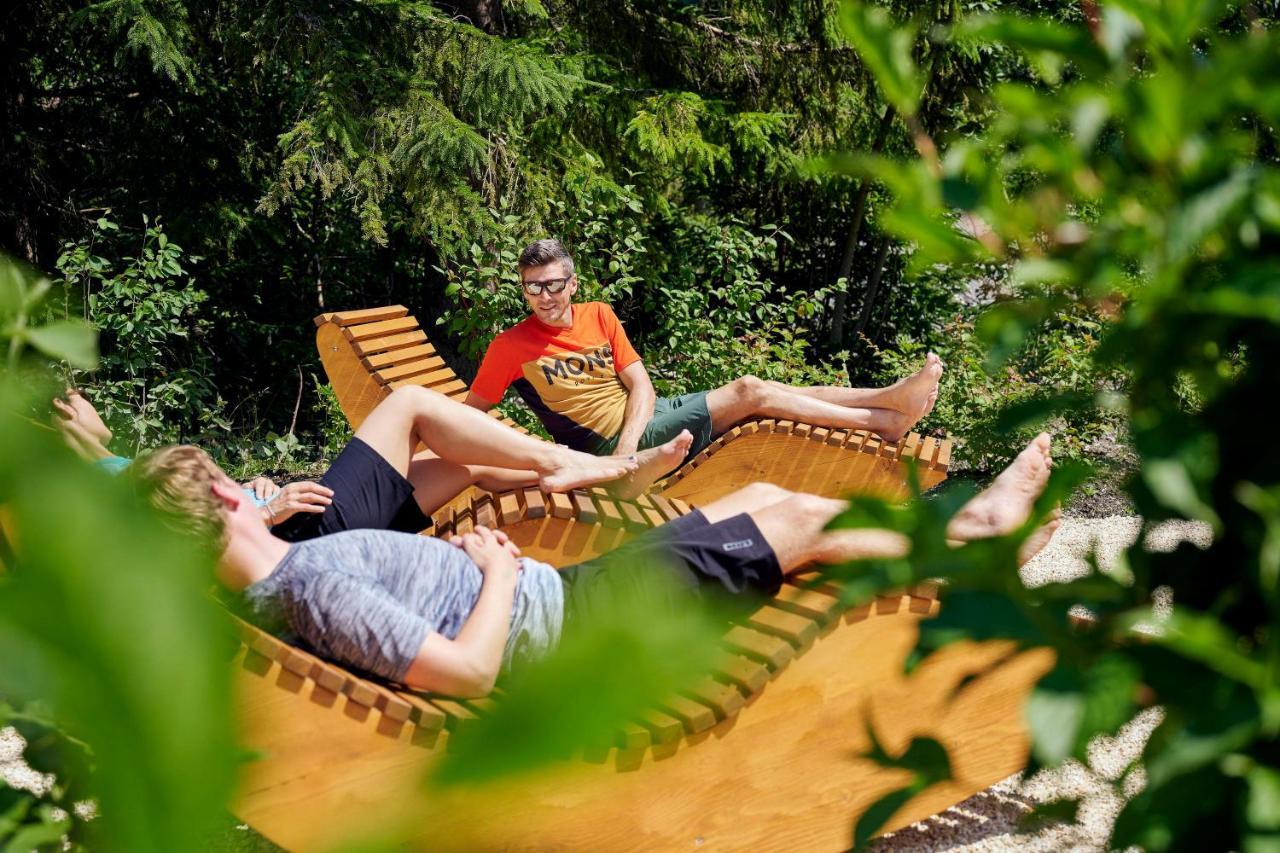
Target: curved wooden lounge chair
(763, 754)
(369, 353)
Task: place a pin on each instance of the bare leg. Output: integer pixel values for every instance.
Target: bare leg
(907, 395)
(793, 526)
(901, 405)
(436, 481)
(467, 436)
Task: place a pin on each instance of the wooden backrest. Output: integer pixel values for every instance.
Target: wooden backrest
(367, 354)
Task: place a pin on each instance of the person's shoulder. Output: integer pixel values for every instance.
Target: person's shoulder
(522, 331)
(600, 310)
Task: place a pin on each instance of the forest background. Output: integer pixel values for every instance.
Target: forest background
(207, 177)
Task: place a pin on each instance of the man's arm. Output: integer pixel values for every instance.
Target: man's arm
(468, 665)
(475, 401)
(640, 401)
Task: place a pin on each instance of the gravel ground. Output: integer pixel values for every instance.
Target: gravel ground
(989, 821)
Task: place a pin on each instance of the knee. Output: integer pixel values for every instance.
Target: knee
(800, 505)
(766, 494)
(750, 389)
(413, 397)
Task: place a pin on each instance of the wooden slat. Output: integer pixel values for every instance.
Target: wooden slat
(380, 329)
(796, 630)
(535, 506)
(662, 727)
(695, 716)
(807, 602)
(357, 689)
(665, 507)
(632, 516)
(586, 510)
(453, 388)
(362, 315)
(724, 700)
(610, 516)
(389, 342)
(928, 452)
(633, 736)
(774, 652)
(509, 508)
(943, 460)
(424, 714)
(403, 355)
(484, 511)
(391, 704)
(561, 506)
(431, 366)
(463, 521)
(748, 675)
(456, 711)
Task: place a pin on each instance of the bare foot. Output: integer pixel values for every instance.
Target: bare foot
(911, 399)
(910, 395)
(653, 463)
(1035, 543)
(583, 469)
(1006, 504)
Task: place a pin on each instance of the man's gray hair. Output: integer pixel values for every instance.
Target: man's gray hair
(544, 252)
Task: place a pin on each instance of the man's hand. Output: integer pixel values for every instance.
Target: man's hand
(492, 550)
(263, 488)
(298, 497)
(501, 535)
(76, 408)
(81, 440)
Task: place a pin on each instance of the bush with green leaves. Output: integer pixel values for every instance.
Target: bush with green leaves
(1134, 169)
(1057, 360)
(153, 382)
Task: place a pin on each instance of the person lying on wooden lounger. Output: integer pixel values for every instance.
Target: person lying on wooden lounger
(574, 366)
(379, 482)
(451, 617)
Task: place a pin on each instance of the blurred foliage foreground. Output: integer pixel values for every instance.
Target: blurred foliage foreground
(1137, 173)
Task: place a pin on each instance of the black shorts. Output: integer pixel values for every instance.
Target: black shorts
(367, 494)
(728, 564)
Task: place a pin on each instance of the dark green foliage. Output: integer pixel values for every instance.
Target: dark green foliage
(1106, 189)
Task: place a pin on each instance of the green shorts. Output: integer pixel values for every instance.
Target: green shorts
(670, 415)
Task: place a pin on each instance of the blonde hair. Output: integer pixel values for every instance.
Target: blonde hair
(178, 480)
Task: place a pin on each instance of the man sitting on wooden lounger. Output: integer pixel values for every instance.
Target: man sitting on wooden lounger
(450, 618)
(379, 481)
(574, 366)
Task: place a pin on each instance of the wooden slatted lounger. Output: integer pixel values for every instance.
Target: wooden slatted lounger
(763, 754)
(369, 353)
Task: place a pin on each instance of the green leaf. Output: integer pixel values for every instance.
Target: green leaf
(886, 51)
(72, 341)
(1055, 711)
(1206, 213)
(1171, 483)
(1263, 808)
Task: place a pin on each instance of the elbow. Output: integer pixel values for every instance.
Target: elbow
(477, 683)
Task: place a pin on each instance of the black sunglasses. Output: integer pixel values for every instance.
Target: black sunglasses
(551, 285)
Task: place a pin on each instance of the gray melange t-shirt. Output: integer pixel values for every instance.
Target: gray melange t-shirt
(368, 598)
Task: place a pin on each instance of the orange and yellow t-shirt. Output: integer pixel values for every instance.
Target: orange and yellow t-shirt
(569, 377)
